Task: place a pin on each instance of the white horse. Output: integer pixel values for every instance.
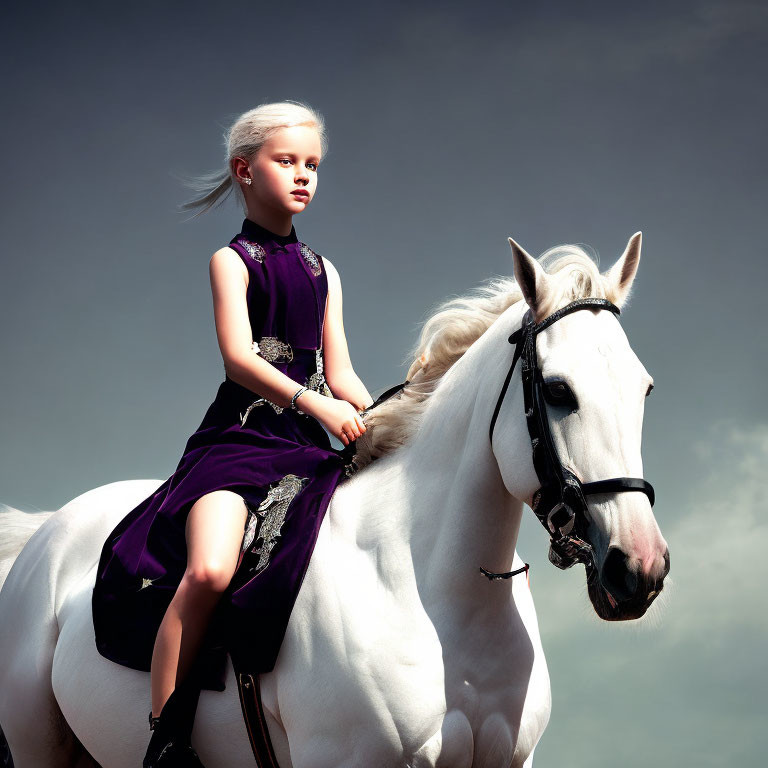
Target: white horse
(399, 652)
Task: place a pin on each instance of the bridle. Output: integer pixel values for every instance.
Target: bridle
(560, 503)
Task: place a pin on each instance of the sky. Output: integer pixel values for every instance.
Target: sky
(452, 126)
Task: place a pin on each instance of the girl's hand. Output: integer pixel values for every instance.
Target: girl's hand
(339, 417)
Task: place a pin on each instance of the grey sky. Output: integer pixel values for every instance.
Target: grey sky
(451, 127)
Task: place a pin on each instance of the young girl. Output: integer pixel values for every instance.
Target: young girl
(212, 562)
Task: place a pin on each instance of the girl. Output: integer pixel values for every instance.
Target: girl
(212, 562)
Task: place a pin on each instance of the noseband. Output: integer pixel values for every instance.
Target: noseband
(560, 503)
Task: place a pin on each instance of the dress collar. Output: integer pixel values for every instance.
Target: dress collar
(254, 231)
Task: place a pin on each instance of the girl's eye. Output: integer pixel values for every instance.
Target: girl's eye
(288, 160)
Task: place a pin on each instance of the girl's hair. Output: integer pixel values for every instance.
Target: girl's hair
(244, 139)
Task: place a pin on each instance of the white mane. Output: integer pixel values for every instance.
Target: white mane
(453, 327)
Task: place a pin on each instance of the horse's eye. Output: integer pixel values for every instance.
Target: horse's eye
(558, 390)
(650, 387)
(559, 393)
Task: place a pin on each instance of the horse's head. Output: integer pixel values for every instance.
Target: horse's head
(588, 402)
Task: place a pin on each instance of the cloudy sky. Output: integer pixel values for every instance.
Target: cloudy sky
(451, 126)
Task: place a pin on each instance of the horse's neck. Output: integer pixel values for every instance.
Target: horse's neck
(441, 499)
(433, 513)
(461, 515)
(430, 515)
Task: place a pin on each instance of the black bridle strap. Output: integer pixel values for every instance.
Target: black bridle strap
(588, 303)
(508, 575)
(515, 358)
(532, 384)
(620, 484)
(386, 395)
(518, 339)
(560, 502)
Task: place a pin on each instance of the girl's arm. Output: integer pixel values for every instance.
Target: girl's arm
(229, 282)
(337, 366)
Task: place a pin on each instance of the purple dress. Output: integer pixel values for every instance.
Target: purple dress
(279, 460)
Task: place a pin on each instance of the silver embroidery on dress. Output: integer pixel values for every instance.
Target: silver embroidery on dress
(255, 251)
(271, 348)
(317, 380)
(311, 258)
(275, 350)
(250, 527)
(272, 512)
(259, 401)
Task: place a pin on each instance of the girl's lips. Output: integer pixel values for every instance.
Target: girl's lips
(300, 193)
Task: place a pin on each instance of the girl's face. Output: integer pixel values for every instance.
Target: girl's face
(287, 162)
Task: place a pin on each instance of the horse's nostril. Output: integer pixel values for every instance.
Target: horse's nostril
(617, 578)
(666, 564)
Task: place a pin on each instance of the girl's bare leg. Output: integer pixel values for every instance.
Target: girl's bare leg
(214, 533)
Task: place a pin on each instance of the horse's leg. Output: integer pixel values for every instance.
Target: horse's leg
(34, 727)
(80, 757)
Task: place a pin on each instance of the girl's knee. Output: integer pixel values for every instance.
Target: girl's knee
(208, 577)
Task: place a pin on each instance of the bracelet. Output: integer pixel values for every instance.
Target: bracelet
(296, 394)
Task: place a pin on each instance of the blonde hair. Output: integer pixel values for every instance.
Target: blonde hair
(452, 327)
(244, 138)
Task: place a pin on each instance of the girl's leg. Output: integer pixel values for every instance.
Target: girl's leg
(214, 533)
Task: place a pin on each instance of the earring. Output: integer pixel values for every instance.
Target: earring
(247, 181)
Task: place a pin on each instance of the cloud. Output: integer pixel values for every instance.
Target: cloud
(622, 38)
(675, 688)
(720, 564)
(683, 34)
(717, 545)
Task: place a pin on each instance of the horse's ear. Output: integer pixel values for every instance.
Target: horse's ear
(532, 279)
(621, 275)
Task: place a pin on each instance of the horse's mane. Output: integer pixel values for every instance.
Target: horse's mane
(452, 327)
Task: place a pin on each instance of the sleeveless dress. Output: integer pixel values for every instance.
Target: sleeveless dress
(279, 460)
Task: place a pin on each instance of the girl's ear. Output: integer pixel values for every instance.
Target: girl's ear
(621, 275)
(534, 282)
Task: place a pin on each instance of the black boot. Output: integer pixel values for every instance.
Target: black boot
(170, 745)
